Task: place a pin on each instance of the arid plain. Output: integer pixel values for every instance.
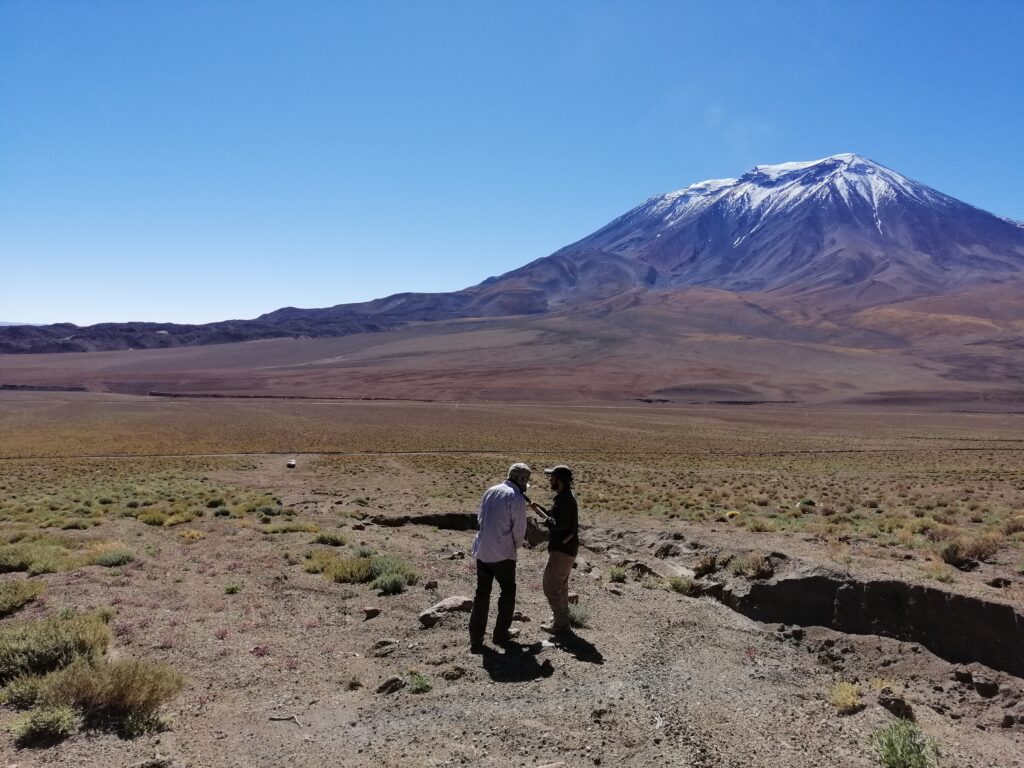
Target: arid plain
(710, 534)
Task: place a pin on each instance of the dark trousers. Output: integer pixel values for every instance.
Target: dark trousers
(505, 572)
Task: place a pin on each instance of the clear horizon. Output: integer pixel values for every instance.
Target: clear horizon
(195, 162)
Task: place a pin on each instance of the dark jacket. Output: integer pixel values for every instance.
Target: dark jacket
(564, 523)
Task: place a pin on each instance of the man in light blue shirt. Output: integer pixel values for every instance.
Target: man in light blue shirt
(502, 520)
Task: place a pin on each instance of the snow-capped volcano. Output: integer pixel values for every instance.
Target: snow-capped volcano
(842, 233)
(843, 223)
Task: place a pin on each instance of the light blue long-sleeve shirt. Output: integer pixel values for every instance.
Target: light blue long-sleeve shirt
(502, 519)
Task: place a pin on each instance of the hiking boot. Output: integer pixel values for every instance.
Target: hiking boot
(507, 637)
(477, 647)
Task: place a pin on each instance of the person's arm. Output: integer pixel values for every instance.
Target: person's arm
(558, 521)
(518, 510)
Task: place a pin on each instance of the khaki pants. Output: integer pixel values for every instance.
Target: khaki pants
(556, 587)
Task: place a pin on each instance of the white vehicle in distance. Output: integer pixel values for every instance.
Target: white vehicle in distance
(291, 463)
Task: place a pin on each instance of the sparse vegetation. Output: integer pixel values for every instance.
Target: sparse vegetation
(292, 527)
(331, 539)
(681, 584)
(16, 593)
(419, 683)
(752, 566)
(617, 574)
(46, 725)
(43, 645)
(901, 744)
(579, 615)
(845, 697)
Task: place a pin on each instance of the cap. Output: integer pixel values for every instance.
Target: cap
(561, 470)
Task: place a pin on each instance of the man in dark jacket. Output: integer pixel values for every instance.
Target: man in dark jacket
(562, 519)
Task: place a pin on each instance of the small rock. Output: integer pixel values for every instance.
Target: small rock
(895, 704)
(454, 673)
(370, 612)
(384, 647)
(520, 616)
(432, 584)
(614, 590)
(432, 615)
(574, 598)
(391, 685)
(999, 582)
(667, 549)
(1007, 721)
(985, 687)
(962, 675)
(358, 527)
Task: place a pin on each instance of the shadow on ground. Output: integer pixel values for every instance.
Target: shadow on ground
(516, 664)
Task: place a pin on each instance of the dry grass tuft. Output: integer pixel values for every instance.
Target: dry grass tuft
(43, 645)
(845, 697)
(15, 594)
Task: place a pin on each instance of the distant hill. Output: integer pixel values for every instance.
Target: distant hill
(836, 239)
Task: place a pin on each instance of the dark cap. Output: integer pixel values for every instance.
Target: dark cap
(560, 471)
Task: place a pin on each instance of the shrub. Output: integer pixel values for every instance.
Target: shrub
(753, 566)
(365, 551)
(14, 594)
(389, 583)
(387, 565)
(179, 518)
(214, 503)
(123, 694)
(47, 725)
(43, 645)
(113, 557)
(419, 683)
(232, 589)
(291, 528)
(191, 534)
(680, 584)
(901, 744)
(1013, 525)
(33, 556)
(331, 539)
(983, 547)
(579, 615)
(25, 691)
(617, 574)
(318, 560)
(152, 517)
(349, 570)
(845, 697)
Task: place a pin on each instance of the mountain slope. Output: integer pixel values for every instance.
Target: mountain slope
(843, 225)
(836, 235)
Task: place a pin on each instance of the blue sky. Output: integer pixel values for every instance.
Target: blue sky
(199, 161)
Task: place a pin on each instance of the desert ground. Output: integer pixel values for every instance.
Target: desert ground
(712, 536)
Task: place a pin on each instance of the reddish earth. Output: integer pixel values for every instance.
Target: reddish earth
(697, 345)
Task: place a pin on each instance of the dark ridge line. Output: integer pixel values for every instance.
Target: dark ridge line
(218, 396)
(588, 452)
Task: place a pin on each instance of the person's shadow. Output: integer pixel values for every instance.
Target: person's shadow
(581, 649)
(516, 663)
